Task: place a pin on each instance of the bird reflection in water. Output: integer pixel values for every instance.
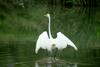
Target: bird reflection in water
(58, 63)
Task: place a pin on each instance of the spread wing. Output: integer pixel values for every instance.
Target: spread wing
(63, 41)
(42, 41)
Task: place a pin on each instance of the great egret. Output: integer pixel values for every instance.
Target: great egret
(46, 41)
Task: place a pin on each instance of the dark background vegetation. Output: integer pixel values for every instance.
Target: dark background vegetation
(13, 4)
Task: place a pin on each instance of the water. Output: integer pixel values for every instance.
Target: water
(20, 29)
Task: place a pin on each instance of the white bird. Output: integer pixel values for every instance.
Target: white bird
(46, 41)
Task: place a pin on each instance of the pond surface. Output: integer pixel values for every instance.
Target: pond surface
(20, 29)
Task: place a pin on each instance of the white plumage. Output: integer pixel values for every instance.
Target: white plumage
(46, 41)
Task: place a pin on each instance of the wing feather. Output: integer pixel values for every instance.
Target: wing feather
(63, 40)
(42, 41)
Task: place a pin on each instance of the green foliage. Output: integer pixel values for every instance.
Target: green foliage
(21, 24)
(7, 5)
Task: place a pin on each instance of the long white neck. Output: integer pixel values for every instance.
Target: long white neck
(49, 29)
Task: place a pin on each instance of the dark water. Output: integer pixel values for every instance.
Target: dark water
(20, 29)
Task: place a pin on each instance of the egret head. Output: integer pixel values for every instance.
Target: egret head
(47, 15)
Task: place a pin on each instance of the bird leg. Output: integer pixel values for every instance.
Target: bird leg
(55, 53)
(51, 56)
(59, 53)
